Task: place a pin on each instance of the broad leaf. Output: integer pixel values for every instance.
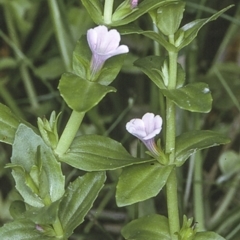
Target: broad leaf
(151, 66)
(44, 215)
(169, 17)
(158, 37)
(142, 8)
(95, 10)
(33, 159)
(81, 95)
(190, 142)
(78, 200)
(154, 227)
(98, 153)
(17, 209)
(194, 97)
(208, 236)
(140, 182)
(22, 229)
(9, 124)
(190, 30)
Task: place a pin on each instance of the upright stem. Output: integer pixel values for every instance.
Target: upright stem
(108, 8)
(171, 186)
(69, 132)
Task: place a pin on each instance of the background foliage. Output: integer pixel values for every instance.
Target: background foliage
(36, 48)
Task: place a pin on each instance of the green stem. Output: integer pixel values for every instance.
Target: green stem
(108, 8)
(171, 186)
(198, 192)
(69, 132)
(172, 204)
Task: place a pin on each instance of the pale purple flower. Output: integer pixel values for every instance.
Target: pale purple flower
(134, 3)
(146, 129)
(103, 44)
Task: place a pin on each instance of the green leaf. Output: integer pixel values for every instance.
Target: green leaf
(98, 153)
(194, 97)
(140, 182)
(50, 182)
(191, 29)
(158, 37)
(95, 10)
(81, 95)
(142, 8)
(229, 163)
(190, 142)
(154, 227)
(17, 209)
(44, 215)
(81, 58)
(9, 124)
(169, 17)
(150, 66)
(208, 236)
(22, 229)
(78, 200)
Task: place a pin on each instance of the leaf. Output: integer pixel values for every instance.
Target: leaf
(154, 227)
(158, 37)
(95, 10)
(98, 153)
(169, 17)
(142, 8)
(22, 229)
(229, 163)
(81, 95)
(140, 182)
(150, 66)
(81, 58)
(51, 180)
(9, 124)
(194, 97)
(44, 215)
(78, 200)
(17, 209)
(190, 142)
(191, 29)
(208, 236)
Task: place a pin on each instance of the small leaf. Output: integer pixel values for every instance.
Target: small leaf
(154, 227)
(229, 163)
(51, 180)
(44, 215)
(194, 97)
(81, 95)
(142, 8)
(190, 142)
(78, 200)
(140, 182)
(22, 229)
(98, 153)
(17, 209)
(191, 29)
(81, 58)
(95, 10)
(169, 17)
(150, 66)
(158, 37)
(208, 236)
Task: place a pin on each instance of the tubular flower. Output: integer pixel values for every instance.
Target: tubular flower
(146, 129)
(103, 44)
(134, 3)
